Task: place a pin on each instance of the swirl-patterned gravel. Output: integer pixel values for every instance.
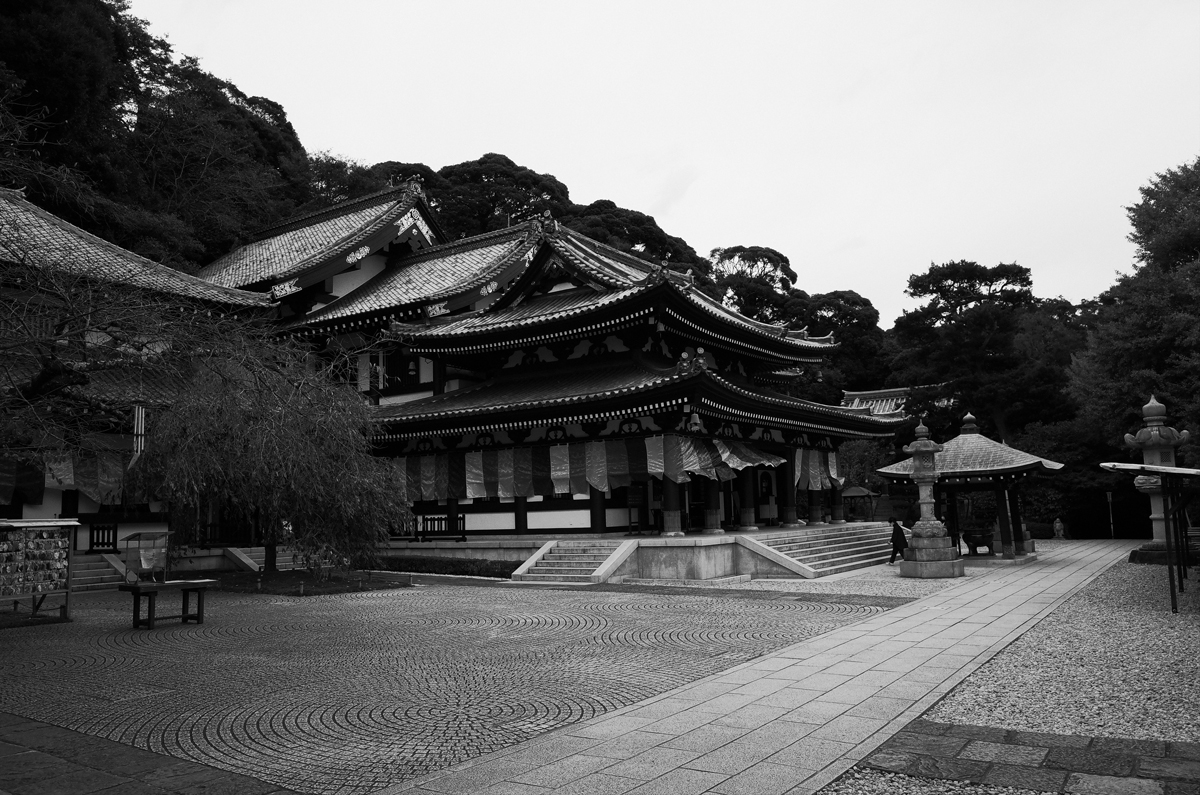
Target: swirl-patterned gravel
(350, 693)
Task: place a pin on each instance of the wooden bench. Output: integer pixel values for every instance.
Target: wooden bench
(151, 590)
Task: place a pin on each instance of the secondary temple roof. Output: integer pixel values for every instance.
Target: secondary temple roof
(32, 235)
(973, 456)
(306, 242)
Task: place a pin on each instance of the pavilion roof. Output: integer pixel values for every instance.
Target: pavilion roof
(593, 388)
(302, 243)
(30, 234)
(973, 455)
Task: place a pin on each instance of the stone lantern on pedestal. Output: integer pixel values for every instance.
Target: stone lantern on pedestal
(930, 553)
(1157, 441)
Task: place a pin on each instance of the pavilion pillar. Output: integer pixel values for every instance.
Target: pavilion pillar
(451, 514)
(837, 514)
(672, 519)
(766, 497)
(816, 510)
(599, 516)
(521, 514)
(712, 507)
(787, 495)
(1018, 527)
(1006, 536)
(746, 487)
(952, 517)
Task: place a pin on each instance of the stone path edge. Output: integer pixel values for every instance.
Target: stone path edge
(822, 777)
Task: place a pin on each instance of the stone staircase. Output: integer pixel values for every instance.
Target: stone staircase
(833, 550)
(283, 557)
(571, 561)
(93, 573)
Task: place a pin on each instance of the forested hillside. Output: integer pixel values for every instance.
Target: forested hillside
(103, 124)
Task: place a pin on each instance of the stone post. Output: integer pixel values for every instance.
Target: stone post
(1157, 441)
(930, 553)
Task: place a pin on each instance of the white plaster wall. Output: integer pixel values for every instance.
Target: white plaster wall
(347, 280)
(549, 520)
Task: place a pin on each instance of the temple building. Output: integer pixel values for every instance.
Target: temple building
(532, 380)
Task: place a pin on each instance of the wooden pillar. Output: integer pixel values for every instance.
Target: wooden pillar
(952, 516)
(787, 493)
(451, 515)
(815, 508)
(670, 509)
(766, 497)
(1018, 530)
(749, 495)
(1006, 536)
(521, 514)
(836, 513)
(599, 515)
(712, 507)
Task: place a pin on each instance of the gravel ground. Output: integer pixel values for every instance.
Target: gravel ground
(1111, 661)
(862, 781)
(881, 580)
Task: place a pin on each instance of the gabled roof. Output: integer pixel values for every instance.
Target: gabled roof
(305, 242)
(615, 387)
(30, 234)
(973, 455)
(431, 275)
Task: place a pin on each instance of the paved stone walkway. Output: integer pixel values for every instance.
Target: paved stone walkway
(356, 692)
(1040, 760)
(796, 719)
(39, 759)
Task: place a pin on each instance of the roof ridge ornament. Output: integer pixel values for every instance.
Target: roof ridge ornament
(969, 425)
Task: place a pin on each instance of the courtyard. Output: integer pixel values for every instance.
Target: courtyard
(778, 686)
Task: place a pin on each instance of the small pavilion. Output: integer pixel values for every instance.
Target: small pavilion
(973, 462)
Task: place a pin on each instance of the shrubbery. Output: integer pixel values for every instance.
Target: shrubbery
(469, 567)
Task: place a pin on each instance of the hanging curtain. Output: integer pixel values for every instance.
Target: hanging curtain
(560, 468)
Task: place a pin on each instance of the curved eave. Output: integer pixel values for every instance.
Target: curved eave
(901, 472)
(711, 394)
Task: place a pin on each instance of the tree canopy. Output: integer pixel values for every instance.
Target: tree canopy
(1166, 222)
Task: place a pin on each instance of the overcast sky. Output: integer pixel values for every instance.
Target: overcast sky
(864, 140)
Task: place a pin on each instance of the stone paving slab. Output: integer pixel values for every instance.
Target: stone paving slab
(1039, 760)
(880, 668)
(37, 758)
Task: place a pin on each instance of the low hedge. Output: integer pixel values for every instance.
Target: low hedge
(468, 567)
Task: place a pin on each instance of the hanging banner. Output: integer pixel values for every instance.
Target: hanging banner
(523, 472)
(576, 467)
(560, 468)
(504, 465)
(597, 465)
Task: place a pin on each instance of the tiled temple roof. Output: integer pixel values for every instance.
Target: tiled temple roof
(30, 234)
(585, 384)
(973, 455)
(293, 246)
(430, 275)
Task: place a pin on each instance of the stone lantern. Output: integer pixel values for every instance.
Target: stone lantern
(930, 553)
(1157, 441)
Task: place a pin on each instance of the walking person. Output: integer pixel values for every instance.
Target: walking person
(899, 541)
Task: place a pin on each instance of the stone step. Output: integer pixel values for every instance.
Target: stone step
(867, 559)
(847, 543)
(552, 577)
(840, 554)
(540, 569)
(580, 558)
(827, 539)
